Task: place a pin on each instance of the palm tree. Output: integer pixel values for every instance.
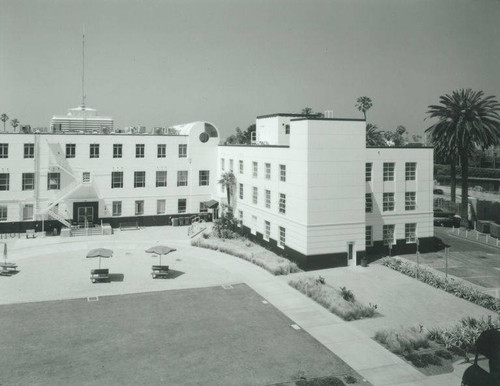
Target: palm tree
(14, 123)
(466, 121)
(227, 181)
(364, 104)
(4, 117)
(374, 137)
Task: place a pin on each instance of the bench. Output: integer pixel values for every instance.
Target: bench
(159, 271)
(124, 226)
(99, 275)
(30, 233)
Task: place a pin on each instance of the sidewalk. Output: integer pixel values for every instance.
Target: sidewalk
(475, 236)
(51, 270)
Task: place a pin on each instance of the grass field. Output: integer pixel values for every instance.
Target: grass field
(208, 336)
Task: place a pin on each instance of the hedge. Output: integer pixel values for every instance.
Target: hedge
(454, 287)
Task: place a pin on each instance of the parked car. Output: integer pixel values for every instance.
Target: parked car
(446, 219)
(438, 191)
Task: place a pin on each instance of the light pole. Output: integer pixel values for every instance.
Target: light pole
(418, 255)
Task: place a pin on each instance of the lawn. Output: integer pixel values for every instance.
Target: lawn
(209, 336)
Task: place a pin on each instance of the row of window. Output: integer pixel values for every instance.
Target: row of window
(267, 229)
(388, 171)
(94, 150)
(389, 233)
(54, 180)
(255, 198)
(388, 202)
(255, 169)
(27, 212)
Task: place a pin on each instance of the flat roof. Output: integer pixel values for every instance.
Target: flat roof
(281, 115)
(328, 119)
(400, 147)
(250, 145)
(108, 134)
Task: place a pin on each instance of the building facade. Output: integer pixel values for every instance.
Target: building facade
(307, 187)
(81, 120)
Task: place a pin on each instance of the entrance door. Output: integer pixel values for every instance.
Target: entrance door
(85, 215)
(351, 260)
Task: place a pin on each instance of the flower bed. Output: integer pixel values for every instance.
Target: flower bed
(339, 302)
(247, 250)
(454, 287)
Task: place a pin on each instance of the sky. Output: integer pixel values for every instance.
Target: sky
(160, 63)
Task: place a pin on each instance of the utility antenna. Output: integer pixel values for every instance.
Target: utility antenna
(83, 68)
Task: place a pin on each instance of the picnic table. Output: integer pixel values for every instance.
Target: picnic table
(7, 268)
(159, 271)
(99, 275)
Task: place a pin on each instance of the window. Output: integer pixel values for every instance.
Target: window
(368, 236)
(388, 204)
(139, 179)
(160, 206)
(241, 191)
(28, 212)
(231, 164)
(139, 208)
(388, 171)
(70, 150)
(282, 237)
(94, 150)
(161, 151)
(86, 177)
(368, 203)
(4, 181)
(139, 150)
(268, 198)
(368, 171)
(53, 181)
(222, 164)
(161, 178)
(28, 181)
(29, 150)
(4, 150)
(183, 148)
(389, 234)
(410, 200)
(117, 208)
(241, 167)
(117, 150)
(181, 205)
(287, 129)
(203, 207)
(3, 212)
(182, 178)
(282, 208)
(283, 173)
(411, 233)
(116, 180)
(411, 171)
(240, 215)
(255, 194)
(268, 171)
(267, 230)
(204, 177)
(254, 169)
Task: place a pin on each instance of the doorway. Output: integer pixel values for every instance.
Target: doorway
(351, 254)
(85, 213)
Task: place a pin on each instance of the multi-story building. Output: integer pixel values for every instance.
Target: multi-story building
(81, 120)
(307, 187)
(310, 188)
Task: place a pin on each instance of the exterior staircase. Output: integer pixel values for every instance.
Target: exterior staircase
(58, 217)
(89, 231)
(63, 194)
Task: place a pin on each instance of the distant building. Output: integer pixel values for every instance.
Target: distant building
(81, 120)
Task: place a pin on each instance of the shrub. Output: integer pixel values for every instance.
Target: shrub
(403, 340)
(349, 379)
(444, 354)
(347, 294)
(332, 299)
(424, 360)
(454, 287)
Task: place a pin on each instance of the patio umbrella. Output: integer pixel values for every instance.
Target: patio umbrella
(160, 250)
(100, 252)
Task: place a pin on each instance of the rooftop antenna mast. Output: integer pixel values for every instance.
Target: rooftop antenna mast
(83, 68)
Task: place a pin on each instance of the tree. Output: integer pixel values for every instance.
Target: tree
(364, 104)
(14, 123)
(466, 121)
(241, 137)
(396, 138)
(374, 137)
(308, 112)
(4, 117)
(227, 181)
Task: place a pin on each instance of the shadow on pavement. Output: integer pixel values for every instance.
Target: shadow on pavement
(116, 277)
(172, 274)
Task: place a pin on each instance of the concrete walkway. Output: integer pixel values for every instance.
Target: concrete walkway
(55, 268)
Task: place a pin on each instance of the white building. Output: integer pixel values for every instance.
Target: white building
(311, 188)
(81, 120)
(308, 187)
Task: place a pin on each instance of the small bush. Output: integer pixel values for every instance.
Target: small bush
(444, 354)
(424, 360)
(206, 235)
(349, 379)
(416, 360)
(347, 294)
(332, 299)
(454, 287)
(403, 340)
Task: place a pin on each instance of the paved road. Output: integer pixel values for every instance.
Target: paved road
(457, 244)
